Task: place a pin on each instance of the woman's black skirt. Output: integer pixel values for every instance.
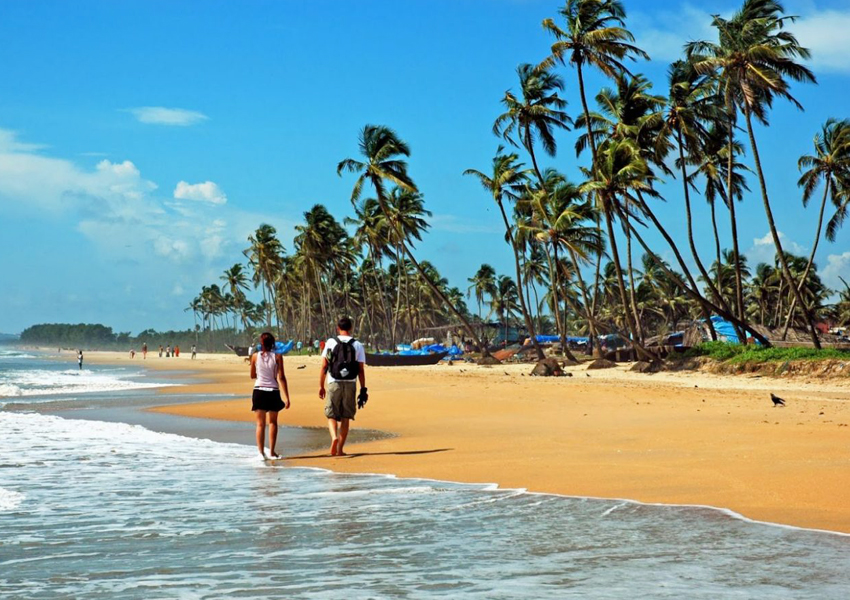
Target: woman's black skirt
(266, 400)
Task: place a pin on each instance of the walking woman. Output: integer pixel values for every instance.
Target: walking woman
(267, 371)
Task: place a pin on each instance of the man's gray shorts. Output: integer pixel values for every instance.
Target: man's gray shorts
(341, 400)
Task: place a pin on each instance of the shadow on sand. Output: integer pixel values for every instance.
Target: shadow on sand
(359, 454)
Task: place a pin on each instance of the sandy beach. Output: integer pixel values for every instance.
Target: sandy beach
(673, 438)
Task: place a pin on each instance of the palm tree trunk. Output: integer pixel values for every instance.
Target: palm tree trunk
(442, 297)
(593, 153)
(692, 291)
(562, 326)
(632, 303)
(591, 325)
(529, 325)
(717, 251)
(786, 271)
(621, 286)
(739, 284)
(702, 301)
(715, 291)
(811, 258)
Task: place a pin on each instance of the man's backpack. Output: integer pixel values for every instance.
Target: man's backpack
(343, 363)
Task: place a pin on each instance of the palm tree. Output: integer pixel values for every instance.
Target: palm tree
(692, 104)
(753, 61)
(483, 284)
(712, 164)
(409, 212)
(831, 165)
(616, 178)
(384, 152)
(237, 282)
(504, 302)
(195, 306)
(562, 218)
(631, 112)
(594, 34)
(264, 256)
(504, 182)
(373, 233)
(536, 115)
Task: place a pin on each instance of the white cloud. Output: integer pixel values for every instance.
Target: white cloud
(9, 143)
(825, 34)
(117, 208)
(837, 265)
(663, 33)
(160, 115)
(764, 251)
(202, 192)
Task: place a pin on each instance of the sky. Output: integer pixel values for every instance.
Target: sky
(141, 142)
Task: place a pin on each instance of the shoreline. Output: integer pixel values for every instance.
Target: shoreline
(654, 439)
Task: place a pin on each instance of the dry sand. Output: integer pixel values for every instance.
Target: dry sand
(677, 438)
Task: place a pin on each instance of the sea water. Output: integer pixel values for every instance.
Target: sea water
(92, 509)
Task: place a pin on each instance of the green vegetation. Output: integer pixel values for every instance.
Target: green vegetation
(100, 337)
(737, 353)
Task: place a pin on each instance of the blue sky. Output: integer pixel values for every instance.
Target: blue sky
(142, 141)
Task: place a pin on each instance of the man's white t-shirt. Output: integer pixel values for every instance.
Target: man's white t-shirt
(359, 352)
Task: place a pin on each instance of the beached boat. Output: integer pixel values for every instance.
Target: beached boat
(404, 360)
(239, 350)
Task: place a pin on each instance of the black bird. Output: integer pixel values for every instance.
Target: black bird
(777, 401)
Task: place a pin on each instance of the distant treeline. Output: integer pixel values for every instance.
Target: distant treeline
(96, 336)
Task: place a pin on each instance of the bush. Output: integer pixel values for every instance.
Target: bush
(738, 353)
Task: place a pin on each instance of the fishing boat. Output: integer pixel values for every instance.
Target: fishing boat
(404, 360)
(239, 350)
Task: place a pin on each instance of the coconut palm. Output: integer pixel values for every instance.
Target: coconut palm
(593, 34)
(712, 165)
(830, 165)
(616, 178)
(753, 61)
(237, 282)
(384, 154)
(483, 284)
(536, 114)
(264, 256)
(563, 220)
(504, 182)
(692, 105)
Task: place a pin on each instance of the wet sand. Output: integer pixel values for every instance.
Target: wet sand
(676, 438)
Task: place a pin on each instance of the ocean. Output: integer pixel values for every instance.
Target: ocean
(97, 509)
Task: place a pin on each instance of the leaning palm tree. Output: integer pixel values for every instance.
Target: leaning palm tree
(692, 105)
(503, 183)
(536, 114)
(594, 34)
(830, 165)
(384, 154)
(710, 160)
(564, 221)
(753, 61)
(615, 179)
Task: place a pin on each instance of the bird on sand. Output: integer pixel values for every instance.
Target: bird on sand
(777, 401)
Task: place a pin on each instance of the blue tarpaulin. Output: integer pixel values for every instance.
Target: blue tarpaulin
(280, 347)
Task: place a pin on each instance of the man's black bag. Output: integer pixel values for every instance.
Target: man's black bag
(343, 363)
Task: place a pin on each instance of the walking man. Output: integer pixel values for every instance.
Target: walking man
(343, 363)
